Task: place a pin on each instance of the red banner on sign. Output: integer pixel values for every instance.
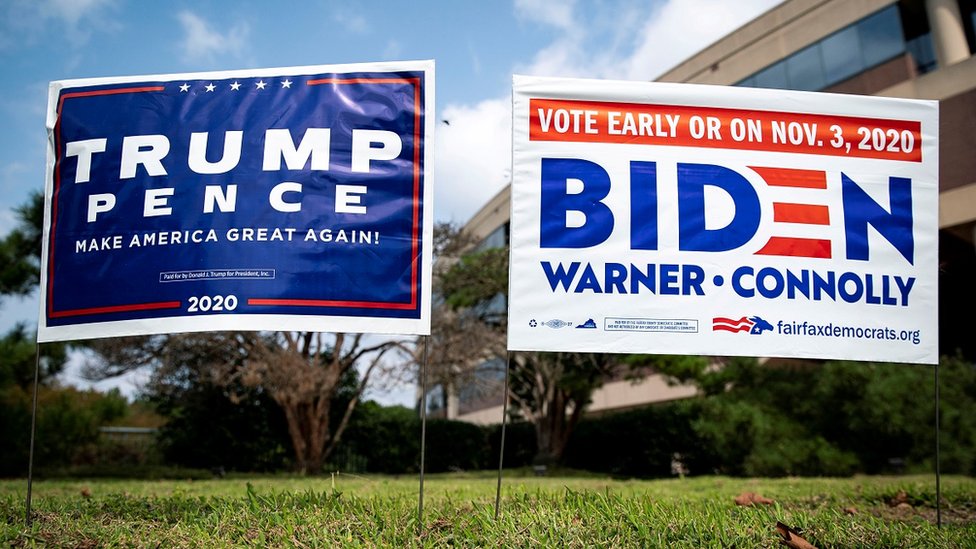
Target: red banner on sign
(688, 126)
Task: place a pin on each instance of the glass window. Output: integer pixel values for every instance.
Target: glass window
(972, 29)
(492, 310)
(497, 239)
(436, 397)
(804, 69)
(849, 51)
(773, 76)
(748, 82)
(841, 55)
(881, 36)
(923, 52)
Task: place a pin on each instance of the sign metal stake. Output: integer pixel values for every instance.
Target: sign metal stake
(501, 449)
(30, 456)
(938, 472)
(423, 434)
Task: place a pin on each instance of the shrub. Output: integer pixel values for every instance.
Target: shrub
(387, 438)
(455, 446)
(642, 443)
(206, 430)
(520, 447)
(67, 421)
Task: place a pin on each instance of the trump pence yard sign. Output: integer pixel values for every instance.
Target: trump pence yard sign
(686, 219)
(273, 199)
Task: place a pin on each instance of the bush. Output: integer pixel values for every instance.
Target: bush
(206, 430)
(643, 443)
(519, 445)
(840, 418)
(67, 422)
(754, 440)
(455, 446)
(387, 439)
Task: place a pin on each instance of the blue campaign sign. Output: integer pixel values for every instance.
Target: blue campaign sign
(269, 199)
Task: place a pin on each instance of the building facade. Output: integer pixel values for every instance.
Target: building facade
(914, 49)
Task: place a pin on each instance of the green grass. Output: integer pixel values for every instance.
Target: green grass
(565, 511)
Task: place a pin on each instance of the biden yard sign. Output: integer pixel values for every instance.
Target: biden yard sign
(272, 199)
(688, 219)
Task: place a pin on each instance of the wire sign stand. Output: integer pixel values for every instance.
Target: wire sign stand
(501, 446)
(423, 434)
(30, 454)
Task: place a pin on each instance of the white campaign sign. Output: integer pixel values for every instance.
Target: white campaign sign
(690, 219)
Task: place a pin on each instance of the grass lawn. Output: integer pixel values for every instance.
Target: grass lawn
(563, 511)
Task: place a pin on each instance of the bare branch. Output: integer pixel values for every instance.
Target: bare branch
(344, 422)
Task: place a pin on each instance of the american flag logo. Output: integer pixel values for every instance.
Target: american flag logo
(731, 325)
(749, 324)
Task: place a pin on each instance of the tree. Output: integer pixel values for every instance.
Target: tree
(20, 250)
(20, 260)
(66, 418)
(550, 390)
(205, 429)
(302, 372)
(18, 359)
(793, 417)
(462, 341)
(462, 347)
(67, 422)
(20, 267)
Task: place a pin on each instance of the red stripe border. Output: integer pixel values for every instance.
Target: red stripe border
(118, 309)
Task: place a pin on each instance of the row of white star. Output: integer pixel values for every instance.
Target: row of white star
(260, 84)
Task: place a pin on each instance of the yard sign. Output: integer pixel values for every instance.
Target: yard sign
(690, 219)
(272, 199)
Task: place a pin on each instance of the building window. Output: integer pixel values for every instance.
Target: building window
(923, 53)
(773, 76)
(881, 37)
(841, 55)
(967, 8)
(804, 69)
(845, 53)
(497, 239)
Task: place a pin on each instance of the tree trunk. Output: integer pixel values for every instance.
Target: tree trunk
(566, 429)
(309, 433)
(548, 430)
(319, 431)
(295, 434)
(543, 443)
(302, 375)
(553, 429)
